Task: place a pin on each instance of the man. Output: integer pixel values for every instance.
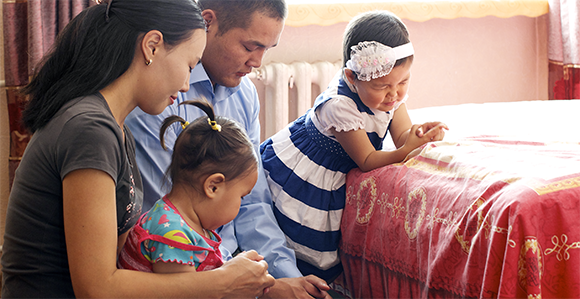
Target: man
(238, 35)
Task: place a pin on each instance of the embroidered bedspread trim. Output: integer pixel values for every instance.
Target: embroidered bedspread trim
(476, 218)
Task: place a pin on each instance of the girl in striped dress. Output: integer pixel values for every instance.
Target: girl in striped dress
(307, 162)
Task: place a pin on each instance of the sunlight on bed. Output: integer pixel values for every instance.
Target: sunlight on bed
(542, 121)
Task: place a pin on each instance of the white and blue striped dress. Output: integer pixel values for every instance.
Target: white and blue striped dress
(306, 169)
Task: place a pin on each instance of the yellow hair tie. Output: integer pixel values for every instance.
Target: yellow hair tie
(184, 125)
(214, 125)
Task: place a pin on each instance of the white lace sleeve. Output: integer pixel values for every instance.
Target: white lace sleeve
(341, 114)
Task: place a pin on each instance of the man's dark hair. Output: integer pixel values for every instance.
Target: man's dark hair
(237, 13)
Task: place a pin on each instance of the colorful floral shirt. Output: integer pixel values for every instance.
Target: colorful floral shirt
(162, 235)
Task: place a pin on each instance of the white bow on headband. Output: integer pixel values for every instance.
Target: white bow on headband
(371, 60)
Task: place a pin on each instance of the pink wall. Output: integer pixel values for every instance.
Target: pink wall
(463, 60)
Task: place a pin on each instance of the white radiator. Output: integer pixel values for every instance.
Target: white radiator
(288, 90)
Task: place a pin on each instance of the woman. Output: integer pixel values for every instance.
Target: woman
(77, 191)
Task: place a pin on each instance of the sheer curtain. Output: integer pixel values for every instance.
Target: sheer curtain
(30, 28)
(564, 49)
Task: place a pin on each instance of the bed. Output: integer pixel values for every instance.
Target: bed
(491, 211)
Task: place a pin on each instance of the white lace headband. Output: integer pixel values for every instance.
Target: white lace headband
(371, 60)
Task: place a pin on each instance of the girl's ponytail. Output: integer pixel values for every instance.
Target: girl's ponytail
(210, 144)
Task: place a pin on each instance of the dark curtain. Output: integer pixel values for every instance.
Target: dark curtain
(30, 28)
(564, 49)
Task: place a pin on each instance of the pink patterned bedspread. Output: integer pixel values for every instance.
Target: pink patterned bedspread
(482, 217)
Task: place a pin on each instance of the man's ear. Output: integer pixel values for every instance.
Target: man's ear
(210, 19)
(213, 184)
(350, 75)
(151, 43)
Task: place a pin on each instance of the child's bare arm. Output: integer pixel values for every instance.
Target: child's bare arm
(359, 148)
(400, 126)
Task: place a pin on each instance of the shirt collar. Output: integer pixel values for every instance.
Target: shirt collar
(198, 74)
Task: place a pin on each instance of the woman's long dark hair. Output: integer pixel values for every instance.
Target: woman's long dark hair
(201, 150)
(98, 46)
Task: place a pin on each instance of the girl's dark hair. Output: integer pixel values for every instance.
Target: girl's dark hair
(237, 13)
(98, 46)
(200, 150)
(380, 26)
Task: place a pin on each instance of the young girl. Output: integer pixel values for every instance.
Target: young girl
(307, 162)
(213, 166)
